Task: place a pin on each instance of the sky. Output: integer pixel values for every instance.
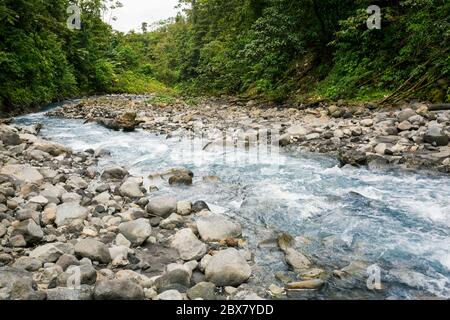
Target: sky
(134, 12)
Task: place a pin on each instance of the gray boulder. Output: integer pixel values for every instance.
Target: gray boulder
(435, 135)
(188, 245)
(202, 290)
(31, 232)
(215, 228)
(70, 294)
(136, 231)
(227, 268)
(52, 251)
(162, 206)
(131, 189)
(66, 213)
(93, 250)
(114, 173)
(10, 139)
(18, 284)
(118, 290)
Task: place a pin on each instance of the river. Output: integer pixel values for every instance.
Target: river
(396, 221)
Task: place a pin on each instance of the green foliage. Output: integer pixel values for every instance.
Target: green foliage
(272, 49)
(41, 60)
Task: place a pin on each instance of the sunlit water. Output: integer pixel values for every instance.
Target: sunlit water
(397, 221)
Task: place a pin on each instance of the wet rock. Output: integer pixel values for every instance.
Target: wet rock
(188, 245)
(68, 212)
(199, 206)
(162, 206)
(136, 231)
(435, 135)
(52, 251)
(227, 268)
(118, 290)
(18, 284)
(93, 250)
(202, 290)
(31, 232)
(215, 228)
(114, 173)
(127, 121)
(352, 157)
(313, 284)
(180, 180)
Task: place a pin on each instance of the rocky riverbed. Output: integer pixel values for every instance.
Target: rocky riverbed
(406, 136)
(68, 231)
(73, 229)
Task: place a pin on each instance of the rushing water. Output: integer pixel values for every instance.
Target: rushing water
(397, 221)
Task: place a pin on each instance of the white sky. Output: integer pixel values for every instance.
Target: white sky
(134, 12)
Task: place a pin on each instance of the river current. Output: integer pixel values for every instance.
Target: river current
(395, 222)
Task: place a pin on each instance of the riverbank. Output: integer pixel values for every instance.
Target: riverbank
(409, 136)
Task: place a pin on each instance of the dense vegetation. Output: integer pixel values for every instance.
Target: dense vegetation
(308, 49)
(42, 60)
(273, 49)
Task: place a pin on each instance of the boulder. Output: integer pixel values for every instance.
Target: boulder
(51, 148)
(184, 208)
(172, 222)
(227, 268)
(114, 173)
(162, 206)
(200, 206)
(10, 139)
(215, 228)
(28, 264)
(118, 290)
(93, 250)
(202, 290)
(31, 232)
(188, 245)
(52, 251)
(66, 213)
(78, 275)
(180, 180)
(435, 135)
(70, 294)
(23, 173)
(131, 189)
(136, 231)
(405, 114)
(18, 284)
